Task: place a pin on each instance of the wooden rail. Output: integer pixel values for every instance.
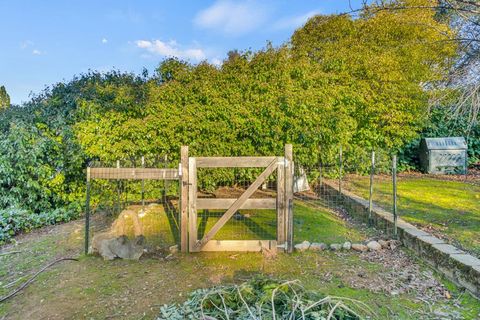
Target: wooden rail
(234, 162)
(134, 174)
(217, 203)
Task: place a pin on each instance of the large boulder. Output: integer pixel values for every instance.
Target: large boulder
(115, 244)
(111, 246)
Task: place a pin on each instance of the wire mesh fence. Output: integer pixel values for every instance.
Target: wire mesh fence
(122, 204)
(326, 184)
(445, 205)
(231, 183)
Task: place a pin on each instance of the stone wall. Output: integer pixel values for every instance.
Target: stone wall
(458, 266)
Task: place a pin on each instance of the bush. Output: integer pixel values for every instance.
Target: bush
(14, 220)
(442, 123)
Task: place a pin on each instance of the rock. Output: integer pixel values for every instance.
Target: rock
(335, 246)
(384, 244)
(302, 246)
(173, 249)
(110, 246)
(393, 244)
(347, 245)
(374, 246)
(315, 246)
(359, 247)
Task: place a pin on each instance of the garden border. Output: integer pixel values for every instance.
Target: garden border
(458, 266)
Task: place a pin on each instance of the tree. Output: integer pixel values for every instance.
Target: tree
(460, 90)
(4, 98)
(382, 65)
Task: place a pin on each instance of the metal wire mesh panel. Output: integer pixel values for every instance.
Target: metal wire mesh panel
(130, 201)
(229, 184)
(318, 185)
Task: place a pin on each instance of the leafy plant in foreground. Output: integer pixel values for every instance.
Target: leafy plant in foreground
(265, 298)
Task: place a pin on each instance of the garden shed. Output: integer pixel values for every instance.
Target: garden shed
(443, 155)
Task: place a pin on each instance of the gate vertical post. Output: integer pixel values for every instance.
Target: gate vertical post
(184, 198)
(281, 207)
(192, 204)
(289, 195)
(87, 213)
(143, 185)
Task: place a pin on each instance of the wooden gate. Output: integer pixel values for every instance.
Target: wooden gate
(282, 203)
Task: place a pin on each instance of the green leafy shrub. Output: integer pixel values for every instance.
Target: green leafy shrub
(264, 298)
(14, 220)
(339, 81)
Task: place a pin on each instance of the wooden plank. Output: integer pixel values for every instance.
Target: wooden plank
(220, 203)
(192, 207)
(289, 196)
(184, 199)
(240, 245)
(281, 208)
(238, 203)
(233, 162)
(134, 173)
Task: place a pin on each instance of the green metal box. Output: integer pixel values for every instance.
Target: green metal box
(443, 155)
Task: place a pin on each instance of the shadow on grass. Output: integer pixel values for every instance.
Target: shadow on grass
(239, 226)
(172, 215)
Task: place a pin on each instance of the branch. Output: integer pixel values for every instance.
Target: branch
(14, 292)
(7, 253)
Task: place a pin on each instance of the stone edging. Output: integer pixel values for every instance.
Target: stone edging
(461, 268)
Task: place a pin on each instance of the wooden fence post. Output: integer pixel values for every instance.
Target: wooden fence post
(184, 198)
(192, 204)
(289, 195)
(370, 197)
(87, 213)
(394, 185)
(143, 185)
(281, 207)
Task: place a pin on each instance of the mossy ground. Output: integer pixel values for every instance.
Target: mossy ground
(96, 289)
(449, 208)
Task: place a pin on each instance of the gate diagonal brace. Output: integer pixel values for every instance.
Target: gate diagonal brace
(238, 204)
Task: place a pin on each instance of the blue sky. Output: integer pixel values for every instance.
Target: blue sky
(44, 42)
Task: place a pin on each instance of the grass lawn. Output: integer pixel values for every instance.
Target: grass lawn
(96, 289)
(448, 208)
(311, 223)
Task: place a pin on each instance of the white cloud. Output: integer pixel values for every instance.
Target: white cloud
(294, 22)
(232, 18)
(171, 49)
(25, 44)
(104, 40)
